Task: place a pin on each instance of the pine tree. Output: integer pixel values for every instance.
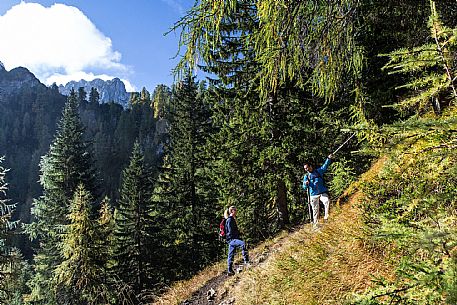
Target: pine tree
(133, 237)
(67, 164)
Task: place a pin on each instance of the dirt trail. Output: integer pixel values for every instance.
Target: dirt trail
(214, 291)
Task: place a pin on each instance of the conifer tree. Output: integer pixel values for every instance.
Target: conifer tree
(80, 277)
(432, 67)
(187, 190)
(145, 96)
(133, 236)
(67, 164)
(295, 42)
(256, 150)
(82, 95)
(134, 99)
(161, 100)
(105, 228)
(9, 259)
(94, 96)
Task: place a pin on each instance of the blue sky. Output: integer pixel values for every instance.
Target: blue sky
(73, 39)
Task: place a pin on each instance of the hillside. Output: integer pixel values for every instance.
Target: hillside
(304, 267)
(391, 240)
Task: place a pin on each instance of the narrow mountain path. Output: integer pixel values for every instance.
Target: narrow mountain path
(215, 291)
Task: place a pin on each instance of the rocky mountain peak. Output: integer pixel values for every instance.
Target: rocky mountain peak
(109, 90)
(16, 79)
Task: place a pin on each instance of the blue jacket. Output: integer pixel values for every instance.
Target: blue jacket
(231, 229)
(316, 179)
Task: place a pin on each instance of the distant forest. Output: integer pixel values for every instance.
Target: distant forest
(129, 200)
(28, 124)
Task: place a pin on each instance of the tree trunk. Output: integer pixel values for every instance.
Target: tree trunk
(281, 205)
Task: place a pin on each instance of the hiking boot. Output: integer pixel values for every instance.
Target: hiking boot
(230, 272)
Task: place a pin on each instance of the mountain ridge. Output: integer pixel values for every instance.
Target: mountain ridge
(110, 90)
(16, 79)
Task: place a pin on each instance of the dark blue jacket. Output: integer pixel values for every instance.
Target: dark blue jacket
(231, 229)
(316, 179)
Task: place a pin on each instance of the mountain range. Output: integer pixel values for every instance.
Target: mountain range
(20, 77)
(110, 90)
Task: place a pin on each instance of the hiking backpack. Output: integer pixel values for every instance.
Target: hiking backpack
(222, 229)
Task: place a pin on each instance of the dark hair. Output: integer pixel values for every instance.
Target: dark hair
(309, 163)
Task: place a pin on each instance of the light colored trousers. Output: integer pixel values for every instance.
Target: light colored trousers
(315, 205)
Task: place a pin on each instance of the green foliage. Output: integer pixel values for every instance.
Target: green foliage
(285, 76)
(262, 139)
(134, 244)
(307, 44)
(161, 101)
(80, 277)
(67, 164)
(343, 174)
(184, 193)
(411, 205)
(10, 259)
(94, 96)
(432, 67)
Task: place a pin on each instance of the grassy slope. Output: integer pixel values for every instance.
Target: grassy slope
(324, 267)
(306, 267)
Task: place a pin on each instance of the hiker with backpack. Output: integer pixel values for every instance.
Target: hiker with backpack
(233, 239)
(314, 184)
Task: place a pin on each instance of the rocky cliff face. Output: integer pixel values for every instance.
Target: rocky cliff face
(16, 79)
(109, 91)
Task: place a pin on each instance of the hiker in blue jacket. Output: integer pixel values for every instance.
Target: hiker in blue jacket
(233, 239)
(313, 182)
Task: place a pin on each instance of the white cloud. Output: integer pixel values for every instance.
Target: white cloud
(56, 43)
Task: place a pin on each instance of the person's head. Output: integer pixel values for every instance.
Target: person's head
(232, 210)
(308, 167)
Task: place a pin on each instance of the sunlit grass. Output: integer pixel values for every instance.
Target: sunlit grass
(323, 267)
(305, 267)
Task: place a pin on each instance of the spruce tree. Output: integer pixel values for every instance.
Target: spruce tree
(133, 236)
(67, 164)
(185, 187)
